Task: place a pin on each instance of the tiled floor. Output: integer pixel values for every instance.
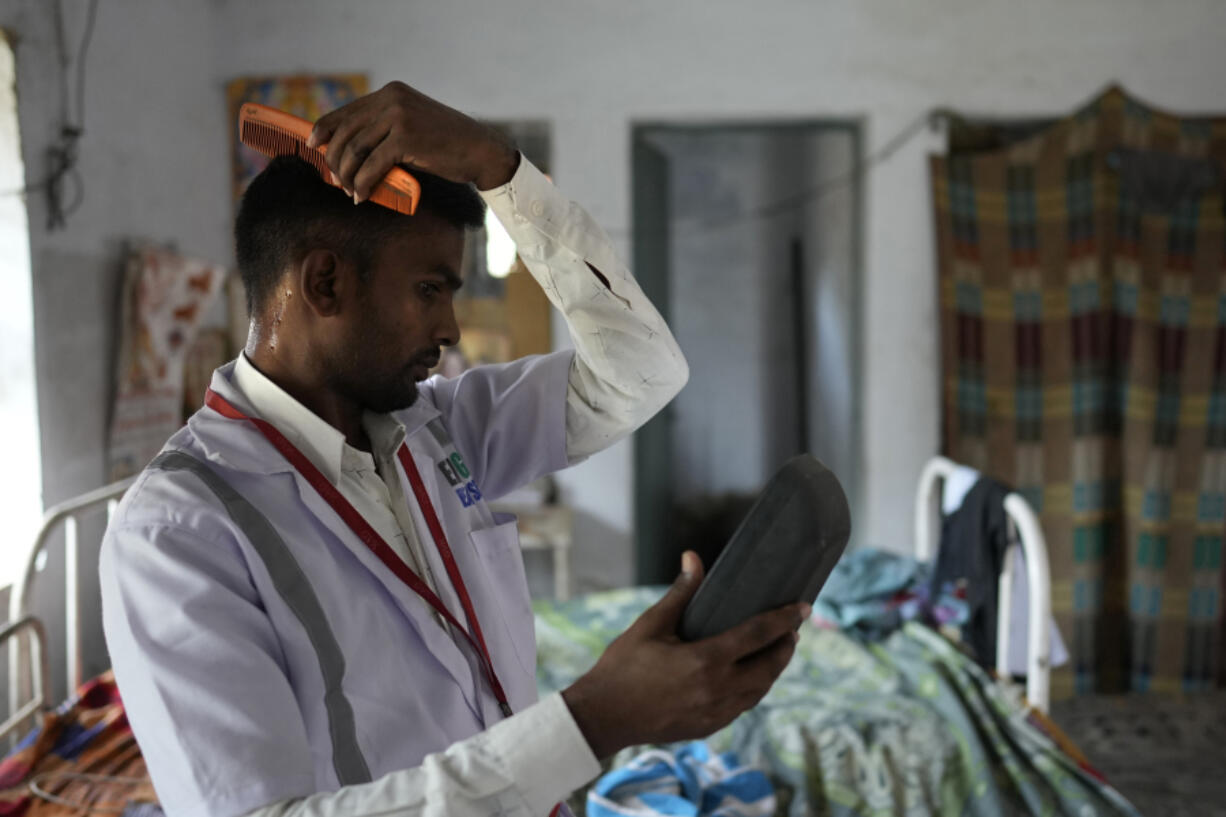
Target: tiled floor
(1167, 755)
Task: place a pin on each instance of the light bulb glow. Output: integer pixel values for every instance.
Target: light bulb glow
(499, 248)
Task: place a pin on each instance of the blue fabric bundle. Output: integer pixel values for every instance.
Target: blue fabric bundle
(690, 782)
(873, 592)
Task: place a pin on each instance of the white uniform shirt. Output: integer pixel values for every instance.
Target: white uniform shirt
(369, 480)
(366, 479)
(625, 367)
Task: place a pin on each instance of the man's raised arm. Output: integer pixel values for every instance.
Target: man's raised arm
(627, 366)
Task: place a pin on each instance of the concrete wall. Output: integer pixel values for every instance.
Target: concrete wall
(154, 162)
(833, 255)
(155, 154)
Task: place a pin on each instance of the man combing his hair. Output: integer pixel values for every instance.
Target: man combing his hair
(310, 607)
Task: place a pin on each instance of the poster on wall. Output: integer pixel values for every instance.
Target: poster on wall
(309, 96)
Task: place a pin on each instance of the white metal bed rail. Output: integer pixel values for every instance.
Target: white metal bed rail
(67, 513)
(1024, 526)
(40, 669)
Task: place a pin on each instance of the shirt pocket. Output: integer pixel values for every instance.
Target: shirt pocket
(500, 556)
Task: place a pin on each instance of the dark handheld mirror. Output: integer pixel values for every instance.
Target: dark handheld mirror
(782, 552)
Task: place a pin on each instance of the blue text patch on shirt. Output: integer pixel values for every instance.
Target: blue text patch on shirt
(457, 475)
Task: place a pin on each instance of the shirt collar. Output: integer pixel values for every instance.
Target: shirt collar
(322, 444)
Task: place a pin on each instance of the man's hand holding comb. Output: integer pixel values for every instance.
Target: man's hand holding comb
(398, 125)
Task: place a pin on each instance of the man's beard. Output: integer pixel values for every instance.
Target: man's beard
(362, 373)
(380, 394)
(394, 397)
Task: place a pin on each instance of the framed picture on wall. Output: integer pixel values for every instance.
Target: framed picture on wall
(309, 96)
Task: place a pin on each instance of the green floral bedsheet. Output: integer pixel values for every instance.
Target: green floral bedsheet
(903, 726)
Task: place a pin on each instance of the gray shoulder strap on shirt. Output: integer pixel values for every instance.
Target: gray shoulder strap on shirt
(296, 591)
(439, 432)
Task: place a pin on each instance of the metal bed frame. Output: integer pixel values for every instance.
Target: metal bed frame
(1024, 529)
(1024, 526)
(62, 516)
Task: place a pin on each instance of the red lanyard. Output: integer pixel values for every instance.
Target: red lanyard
(376, 543)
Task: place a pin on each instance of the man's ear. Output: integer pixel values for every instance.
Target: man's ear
(323, 279)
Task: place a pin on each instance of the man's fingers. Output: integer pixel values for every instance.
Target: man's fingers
(750, 636)
(383, 158)
(757, 673)
(324, 126)
(346, 130)
(663, 616)
(754, 676)
(358, 151)
(327, 125)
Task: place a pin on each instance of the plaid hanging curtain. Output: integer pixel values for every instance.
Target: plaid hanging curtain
(1082, 277)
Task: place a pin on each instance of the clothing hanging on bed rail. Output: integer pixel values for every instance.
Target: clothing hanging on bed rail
(974, 526)
(973, 543)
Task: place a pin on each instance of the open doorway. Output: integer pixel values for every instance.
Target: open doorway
(21, 502)
(747, 237)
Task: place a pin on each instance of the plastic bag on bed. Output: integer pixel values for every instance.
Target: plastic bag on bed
(692, 782)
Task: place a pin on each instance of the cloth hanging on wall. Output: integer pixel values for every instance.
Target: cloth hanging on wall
(1082, 276)
(165, 298)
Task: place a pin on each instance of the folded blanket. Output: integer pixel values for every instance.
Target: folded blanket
(875, 592)
(81, 758)
(692, 782)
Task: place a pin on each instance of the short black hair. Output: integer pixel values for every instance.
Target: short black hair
(287, 207)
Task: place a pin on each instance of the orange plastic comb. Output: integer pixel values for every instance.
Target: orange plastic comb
(277, 133)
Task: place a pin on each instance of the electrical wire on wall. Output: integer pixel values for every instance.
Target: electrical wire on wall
(62, 185)
(930, 120)
(65, 190)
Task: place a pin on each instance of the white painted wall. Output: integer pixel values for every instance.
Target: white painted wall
(155, 155)
(593, 69)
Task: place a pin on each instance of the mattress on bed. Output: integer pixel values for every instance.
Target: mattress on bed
(904, 724)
